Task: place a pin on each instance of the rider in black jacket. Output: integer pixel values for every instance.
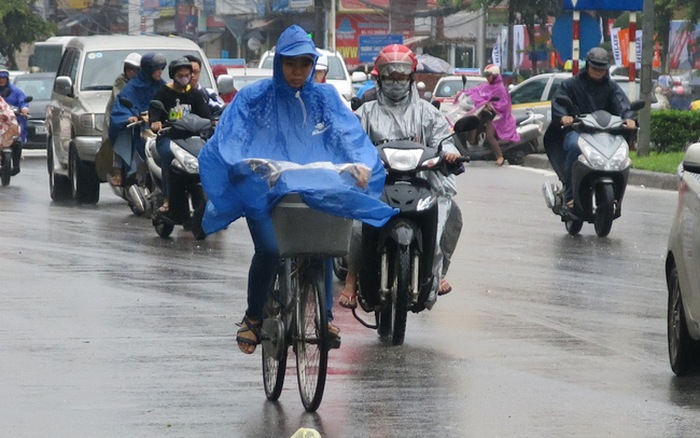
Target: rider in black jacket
(590, 90)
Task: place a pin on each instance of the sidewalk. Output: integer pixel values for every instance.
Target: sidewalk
(642, 178)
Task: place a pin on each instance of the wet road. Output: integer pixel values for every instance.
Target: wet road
(108, 330)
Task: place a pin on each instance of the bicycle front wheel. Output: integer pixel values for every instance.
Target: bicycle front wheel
(274, 348)
(311, 342)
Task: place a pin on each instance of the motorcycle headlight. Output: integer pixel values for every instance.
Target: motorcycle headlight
(183, 159)
(620, 158)
(403, 159)
(590, 154)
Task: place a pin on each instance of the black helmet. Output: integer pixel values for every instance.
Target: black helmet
(598, 58)
(177, 64)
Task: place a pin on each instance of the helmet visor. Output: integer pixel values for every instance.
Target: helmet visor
(395, 67)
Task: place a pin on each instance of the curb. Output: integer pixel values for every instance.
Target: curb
(643, 178)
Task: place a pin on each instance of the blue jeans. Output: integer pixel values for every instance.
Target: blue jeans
(572, 152)
(263, 268)
(166, 158)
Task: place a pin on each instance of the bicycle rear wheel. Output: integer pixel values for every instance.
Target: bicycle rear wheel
(275, 347)
(311, 341)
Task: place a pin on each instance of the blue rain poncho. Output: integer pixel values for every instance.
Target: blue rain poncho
(271, 120)
(140, 90)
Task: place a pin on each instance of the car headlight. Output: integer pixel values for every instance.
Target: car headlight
(403, 159)
(99, 121)
(183, 159)
(87, 121)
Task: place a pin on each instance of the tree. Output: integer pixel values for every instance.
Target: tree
(20, 25)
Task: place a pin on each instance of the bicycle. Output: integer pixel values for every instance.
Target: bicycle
(295, 312)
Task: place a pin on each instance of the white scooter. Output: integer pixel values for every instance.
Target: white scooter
(599, 176)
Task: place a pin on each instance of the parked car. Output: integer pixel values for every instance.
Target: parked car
(75, 115)
(337, 75)
(448, 86)
(39, 87)
(246, 76)
(536, 93)
(682, 273)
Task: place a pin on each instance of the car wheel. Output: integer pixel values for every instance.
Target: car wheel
(85, 183)
(59, 185)
(682, 349)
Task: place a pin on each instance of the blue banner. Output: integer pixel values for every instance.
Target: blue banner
(604, 5)
(371, 45)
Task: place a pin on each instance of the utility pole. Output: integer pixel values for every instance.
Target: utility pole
(481, 40)
(644, 137)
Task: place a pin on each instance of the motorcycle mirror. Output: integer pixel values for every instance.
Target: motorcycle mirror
(156, 105)
(436, 104)
(464, 82)
(28, 99)
(126, 103)
(637, 105)
(466, 123)
(355, 103)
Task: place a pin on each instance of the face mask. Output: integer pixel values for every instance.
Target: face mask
(183, 82)
(396, 91)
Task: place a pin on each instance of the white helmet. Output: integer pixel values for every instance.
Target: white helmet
(133, 59)
(322, 63)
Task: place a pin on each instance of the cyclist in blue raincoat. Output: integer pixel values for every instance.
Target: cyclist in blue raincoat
(286, 118)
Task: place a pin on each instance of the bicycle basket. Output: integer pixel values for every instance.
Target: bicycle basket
(303, 230)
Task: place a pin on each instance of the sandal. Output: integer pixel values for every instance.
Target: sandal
(245, 342)
(333, 335)
(348, 301)
(445, 288)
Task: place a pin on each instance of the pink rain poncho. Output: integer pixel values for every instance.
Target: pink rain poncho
(505, 123)
(9, 128)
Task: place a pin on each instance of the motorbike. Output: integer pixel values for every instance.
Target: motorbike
(529, 127)
(599, 176)
(187, 198)
(137, 189)
(396, 271)
(13, 152)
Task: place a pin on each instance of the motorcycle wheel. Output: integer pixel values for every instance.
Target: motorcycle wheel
(6, 169)
(403, 291)
(573, 226)
(340, 268)
(605, 209)
(516, 158)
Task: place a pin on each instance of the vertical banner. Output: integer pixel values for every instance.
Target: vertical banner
(684, 45)
(615, 41)
(496, 52)
(519, 45)
(187, 20)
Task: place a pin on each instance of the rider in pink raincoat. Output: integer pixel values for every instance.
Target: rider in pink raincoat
(503, 126)
(9, 127)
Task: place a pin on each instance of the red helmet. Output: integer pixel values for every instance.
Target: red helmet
(395, 58)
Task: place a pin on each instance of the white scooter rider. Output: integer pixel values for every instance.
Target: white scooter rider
(399, 113)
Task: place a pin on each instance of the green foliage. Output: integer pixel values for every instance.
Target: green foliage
(672, 130)
(18, 25)
(657, 162)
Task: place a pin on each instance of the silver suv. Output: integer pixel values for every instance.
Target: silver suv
(75, 115)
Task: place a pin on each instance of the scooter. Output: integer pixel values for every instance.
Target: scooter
(474, 144)
(187, 198)
(396, 273)
(599, 176)
(13, 152)
(136, 189)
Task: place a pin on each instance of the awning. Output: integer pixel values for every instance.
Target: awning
(415, 40)
(237, 25)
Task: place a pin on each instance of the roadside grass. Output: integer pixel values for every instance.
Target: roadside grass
(665, 162)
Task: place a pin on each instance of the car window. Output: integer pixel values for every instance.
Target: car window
(38, 88)
(267, 62)
(69, 64)
(449, 87)
(101, 68)
(335, 69)
(554, 87)
(530, 92)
